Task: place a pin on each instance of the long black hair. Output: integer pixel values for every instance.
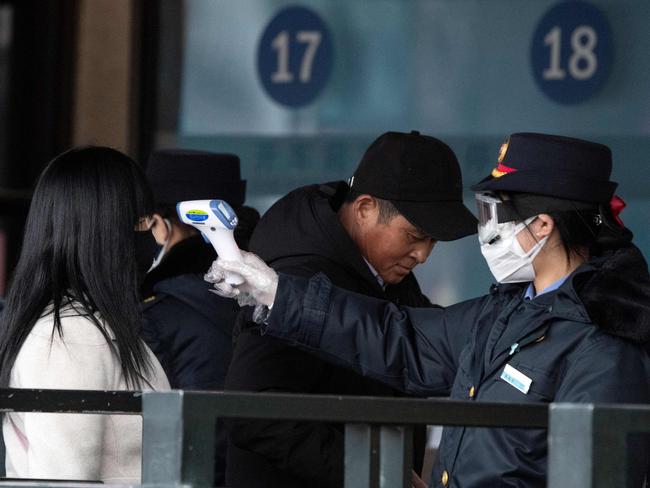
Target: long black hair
(79, 251)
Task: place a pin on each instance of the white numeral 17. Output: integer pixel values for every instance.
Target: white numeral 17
(281, 44)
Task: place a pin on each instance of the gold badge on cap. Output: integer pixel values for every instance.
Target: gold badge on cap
(502, 170)
(503, 150)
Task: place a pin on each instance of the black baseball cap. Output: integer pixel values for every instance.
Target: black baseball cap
(553, 166)
(183, 174)
(420, 175)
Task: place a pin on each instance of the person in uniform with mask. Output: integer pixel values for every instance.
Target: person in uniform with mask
(188, 328)
(568, 320)
(72, 317)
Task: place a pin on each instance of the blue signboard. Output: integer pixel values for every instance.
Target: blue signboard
(294, 57)
(571, 52)
(449, 68)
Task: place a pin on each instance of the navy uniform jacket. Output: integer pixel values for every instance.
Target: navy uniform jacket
(188, 328)
(584, 342)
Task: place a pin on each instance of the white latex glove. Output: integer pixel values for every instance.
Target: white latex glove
(260, 281)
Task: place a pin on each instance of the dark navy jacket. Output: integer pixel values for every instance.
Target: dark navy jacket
(188, 328)
(584, 342)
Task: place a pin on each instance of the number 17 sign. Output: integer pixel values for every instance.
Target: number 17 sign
(571, 52)
(294, 56)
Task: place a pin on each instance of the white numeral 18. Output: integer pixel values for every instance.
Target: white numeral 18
(583, 42)
(281, 44)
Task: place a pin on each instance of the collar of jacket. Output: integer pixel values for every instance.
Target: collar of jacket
(334, 194)
(191, 255)
(611, 291)
(616, 294)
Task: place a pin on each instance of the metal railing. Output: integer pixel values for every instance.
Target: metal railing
(587, 443)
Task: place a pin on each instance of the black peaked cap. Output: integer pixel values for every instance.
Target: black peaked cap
(420, 175)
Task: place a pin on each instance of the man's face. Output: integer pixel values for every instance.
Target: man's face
(393, 248)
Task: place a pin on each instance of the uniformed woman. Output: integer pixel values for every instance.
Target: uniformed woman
(568, 321)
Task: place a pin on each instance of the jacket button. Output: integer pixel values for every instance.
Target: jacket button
(445, 478)
(472, 392)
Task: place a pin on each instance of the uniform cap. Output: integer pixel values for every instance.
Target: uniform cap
(181, 174)
(554, 166)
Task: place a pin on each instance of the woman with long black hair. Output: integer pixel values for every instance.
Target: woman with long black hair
(72, 317)
(568, 321)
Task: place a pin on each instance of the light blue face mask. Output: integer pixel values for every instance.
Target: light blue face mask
(162, 249)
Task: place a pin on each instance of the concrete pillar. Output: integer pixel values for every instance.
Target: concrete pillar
(105, 95)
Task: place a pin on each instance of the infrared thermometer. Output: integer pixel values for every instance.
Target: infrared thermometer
(216, 220)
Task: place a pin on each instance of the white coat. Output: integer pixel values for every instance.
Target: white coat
(73, 446)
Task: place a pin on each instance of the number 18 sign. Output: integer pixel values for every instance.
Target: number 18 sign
(571, 52)
(294, 56)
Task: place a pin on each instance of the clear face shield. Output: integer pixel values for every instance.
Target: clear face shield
(488, 218)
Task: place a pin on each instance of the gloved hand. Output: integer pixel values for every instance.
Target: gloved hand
(260, 281)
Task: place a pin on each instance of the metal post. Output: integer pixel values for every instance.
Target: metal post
(162, 446)
(395, 457)
(588, 444)
(178, 441)
(570, 440)
(361, 456)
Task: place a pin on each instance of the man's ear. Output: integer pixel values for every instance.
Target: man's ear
(366, 209)
(543, 226)
(159, 229)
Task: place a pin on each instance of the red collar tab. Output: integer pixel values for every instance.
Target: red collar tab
(617, 204)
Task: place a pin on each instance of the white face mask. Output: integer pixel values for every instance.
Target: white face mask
(163, 249)
(507, 260)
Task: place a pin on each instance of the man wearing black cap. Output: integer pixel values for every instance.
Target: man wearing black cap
(367, 236)
(187, 327)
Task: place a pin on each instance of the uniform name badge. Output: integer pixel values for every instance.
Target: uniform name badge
(516, 378)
